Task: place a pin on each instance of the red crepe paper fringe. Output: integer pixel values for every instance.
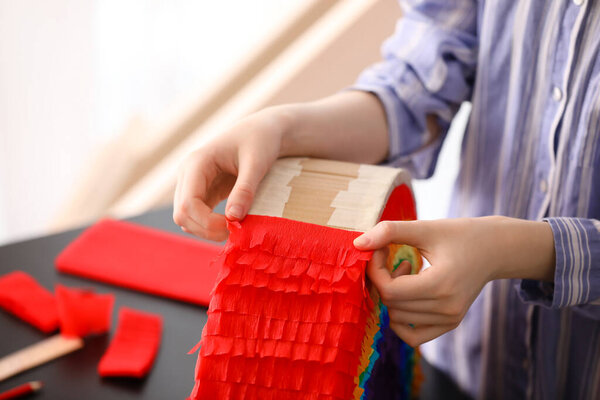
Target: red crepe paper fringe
(134, 346)
(22, 296)
(287, 316)
(83, 312)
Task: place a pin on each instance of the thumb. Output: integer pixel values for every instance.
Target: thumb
(240, 199)
(413, 233)
(377, 271)
(403, 269)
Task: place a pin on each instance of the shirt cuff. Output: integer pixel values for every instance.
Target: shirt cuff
(576, 242)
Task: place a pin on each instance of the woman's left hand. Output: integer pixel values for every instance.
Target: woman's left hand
(464, 255)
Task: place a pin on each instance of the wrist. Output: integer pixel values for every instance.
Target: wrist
(285, 119)
(525, 250)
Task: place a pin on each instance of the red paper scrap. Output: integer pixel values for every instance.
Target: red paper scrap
(145, 259)
(288, 314)
(134, 346)
(83, 312)
(23, 297)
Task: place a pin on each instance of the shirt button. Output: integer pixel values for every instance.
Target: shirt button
(578, 2)
(557, 93)
(543, 185)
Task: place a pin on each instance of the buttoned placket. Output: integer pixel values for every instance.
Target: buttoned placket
(561, 72)
(547, 179)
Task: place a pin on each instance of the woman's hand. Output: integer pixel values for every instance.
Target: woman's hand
(464, 255)
(232, 165)
(347, 126)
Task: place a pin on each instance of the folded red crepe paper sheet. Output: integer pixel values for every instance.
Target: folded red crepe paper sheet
(134, 346)
(22, 296)
(144, 259)
(292, 317)
(83, 312)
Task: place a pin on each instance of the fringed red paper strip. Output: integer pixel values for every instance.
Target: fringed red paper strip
(142, 258)
(134, 347)
(83, 312)
(288, 314)
(23, 297)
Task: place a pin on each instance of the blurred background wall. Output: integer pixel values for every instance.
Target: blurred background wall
(76, 74)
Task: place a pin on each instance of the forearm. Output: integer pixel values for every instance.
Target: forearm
(348, 126)
(522, 249)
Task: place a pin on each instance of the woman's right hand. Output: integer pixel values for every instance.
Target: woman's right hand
(229, 164)
(348, 126)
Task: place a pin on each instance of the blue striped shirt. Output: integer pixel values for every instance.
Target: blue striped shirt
(531, 69)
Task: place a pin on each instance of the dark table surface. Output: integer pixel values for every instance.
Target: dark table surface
(74, 376)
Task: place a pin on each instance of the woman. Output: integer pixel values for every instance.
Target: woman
(513, 302)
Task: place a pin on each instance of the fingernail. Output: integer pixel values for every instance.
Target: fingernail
(362, 241)
(235, 211)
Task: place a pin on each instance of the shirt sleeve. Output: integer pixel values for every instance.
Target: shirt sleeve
(427, 71)
(577, 275)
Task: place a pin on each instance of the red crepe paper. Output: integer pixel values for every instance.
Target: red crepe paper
(288, 314)
(145, 259)
(400, 205)
(23, 297)
(83, 312)
(134, 346)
